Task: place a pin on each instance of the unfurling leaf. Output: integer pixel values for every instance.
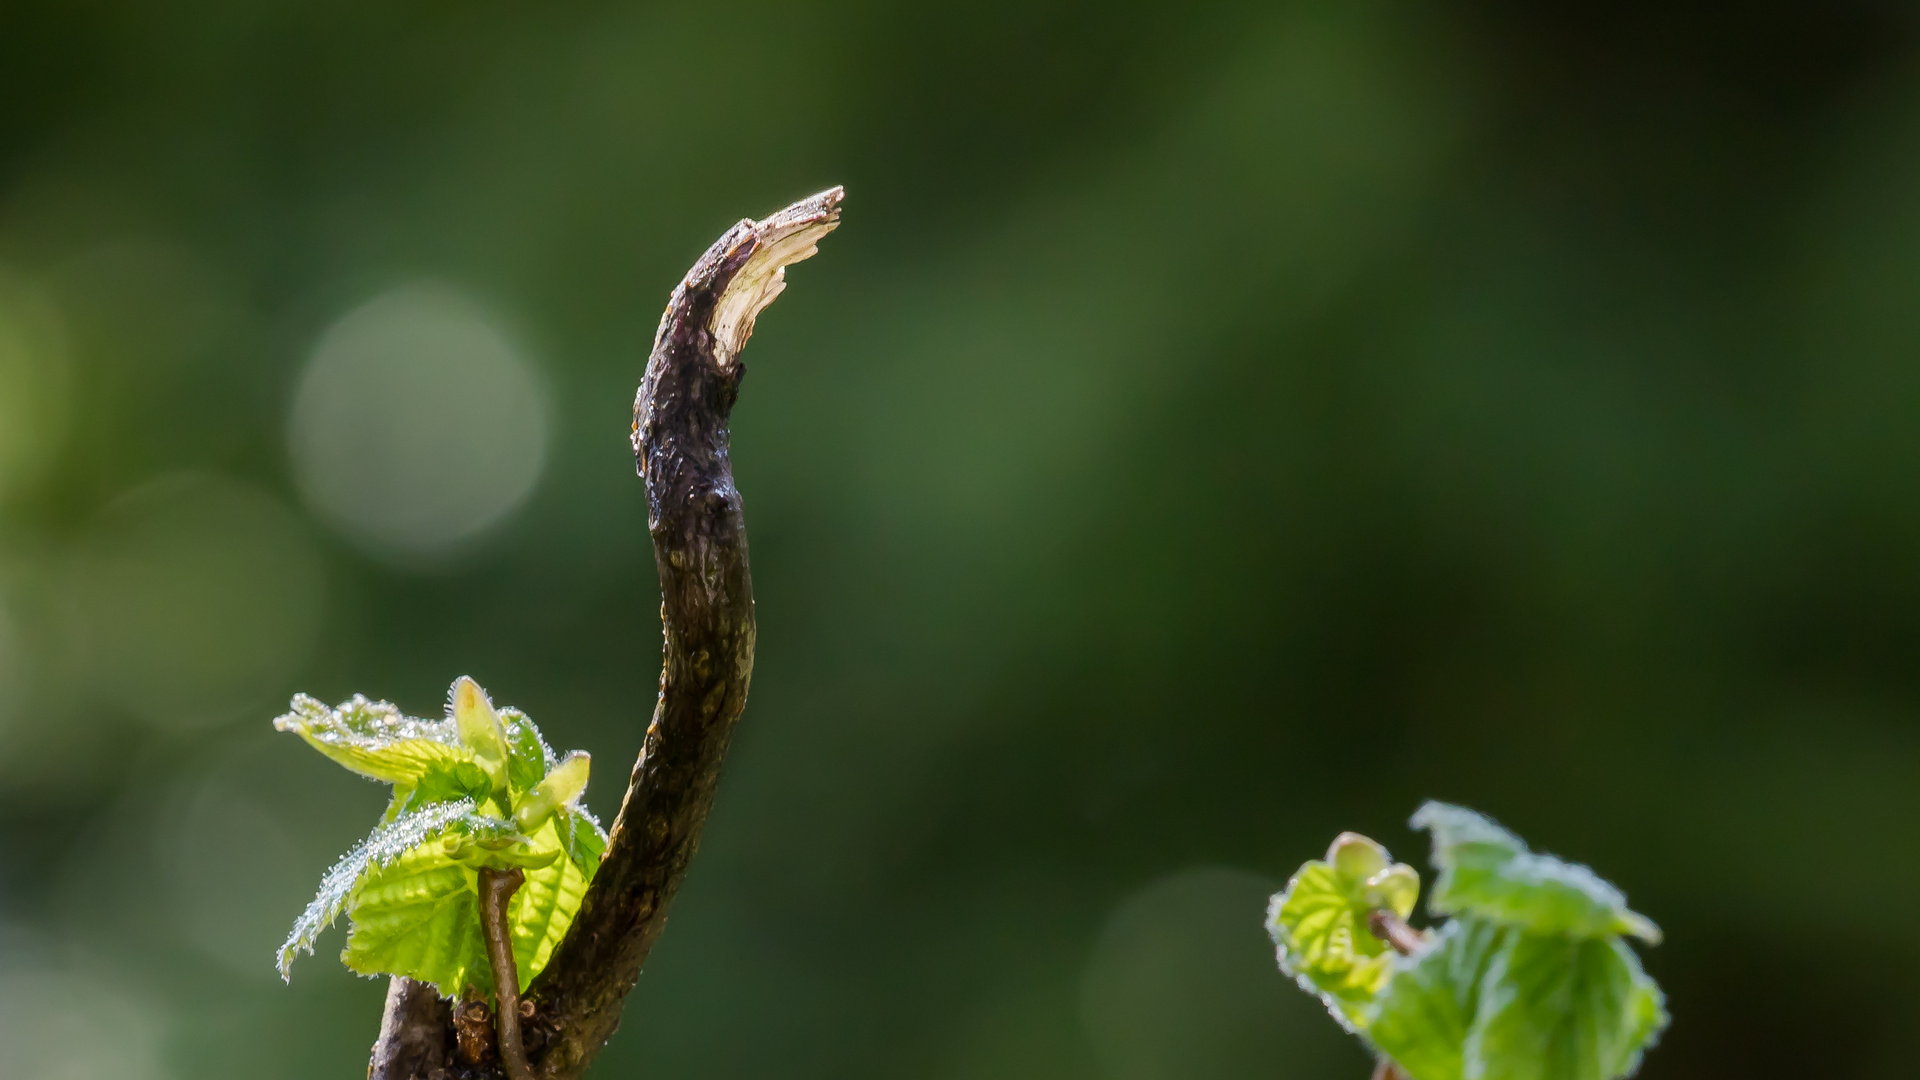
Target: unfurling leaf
(1319, 924)
(561, 787)
(373, 739)
(480, 728)
(419, 916)
(583, 837)
(477, 790)
(1422, 1015)
(528, 756)
(388, 843)
(446, 781)
(1554, 1007)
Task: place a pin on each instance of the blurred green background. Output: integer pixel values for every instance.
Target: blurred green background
(1213, 426)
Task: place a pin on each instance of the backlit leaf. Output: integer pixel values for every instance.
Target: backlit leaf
(479, 790)
(585, 841)
(1319, 923)
(1487, 871)
(1554, 1007)
(448, 781)
(1422, 1015)
(562, 785)
(420, 918)
(389, 842)
(544, 907)
(528, 756)
(479, 728)
(373, 738)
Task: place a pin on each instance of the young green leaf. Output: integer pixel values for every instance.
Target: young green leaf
(420, 918)
(1422, 1016)
(560, 787)
(528, 756)
(480, 728)
(1486, 870)
(583, 837)
(1319, 923)
(544, 906)
(485, 842)
(1554, 1007)
(446, 781)
(389, 842)
(480, 789)
(1455, 827)
(372, 738)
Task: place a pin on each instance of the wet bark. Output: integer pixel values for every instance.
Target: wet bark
(416, 1033)
(680, 441)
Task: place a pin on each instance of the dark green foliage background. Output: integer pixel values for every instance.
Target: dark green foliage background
(1214, 427)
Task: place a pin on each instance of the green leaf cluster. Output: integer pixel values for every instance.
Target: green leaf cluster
(1529, 979)
(477, 790)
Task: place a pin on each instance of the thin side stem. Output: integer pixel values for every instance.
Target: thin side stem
(496, 926)
(1394, 930)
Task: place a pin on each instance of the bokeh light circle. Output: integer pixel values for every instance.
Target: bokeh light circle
(1181, 985)
(417, 423)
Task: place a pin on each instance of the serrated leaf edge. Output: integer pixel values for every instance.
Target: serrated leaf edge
(386, 843)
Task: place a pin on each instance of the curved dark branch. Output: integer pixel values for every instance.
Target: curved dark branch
(680, 442)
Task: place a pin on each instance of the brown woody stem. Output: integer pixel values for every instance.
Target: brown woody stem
(496, 927)
(680, 442)
(1394, 930)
